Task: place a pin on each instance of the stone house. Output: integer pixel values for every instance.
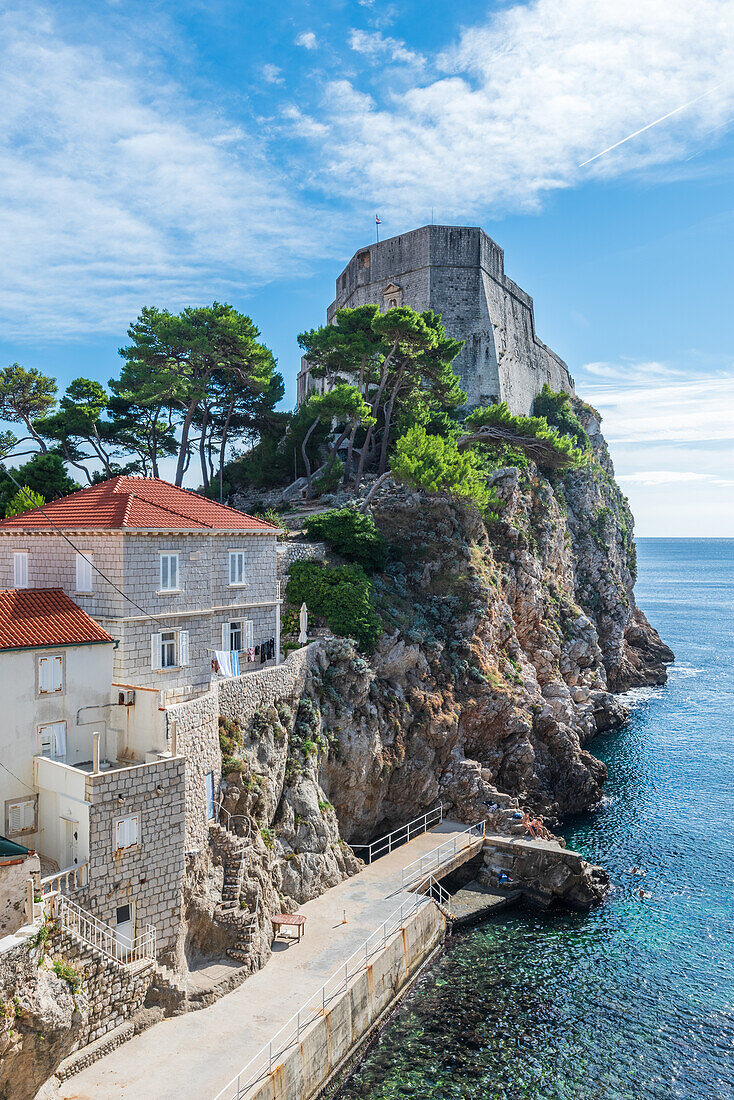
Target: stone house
(171, 575)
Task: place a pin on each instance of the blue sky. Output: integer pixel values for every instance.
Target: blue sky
(153, 153)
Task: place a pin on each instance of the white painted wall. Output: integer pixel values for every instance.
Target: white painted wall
(88, 674)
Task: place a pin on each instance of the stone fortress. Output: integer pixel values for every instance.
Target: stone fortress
(458, 272)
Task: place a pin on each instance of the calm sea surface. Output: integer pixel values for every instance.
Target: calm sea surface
(635, 999)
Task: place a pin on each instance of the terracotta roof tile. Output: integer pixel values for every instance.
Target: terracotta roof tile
(127, 503)
(38, 617)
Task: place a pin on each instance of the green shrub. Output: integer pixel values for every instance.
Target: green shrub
(268, 837)
(271, 516)
(437, 465)
(341, 595)
(351, 534)
(532, 434)
(558, 411)
(24, 501)
(69, 973)
(328, 480)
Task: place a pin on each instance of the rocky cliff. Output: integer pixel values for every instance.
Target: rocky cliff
(503, 645)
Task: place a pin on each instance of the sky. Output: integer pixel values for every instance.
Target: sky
(165, 154)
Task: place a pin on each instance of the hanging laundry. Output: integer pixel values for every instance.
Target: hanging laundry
(251, 653)
(223, 658)
(263, 657)
(235, 663)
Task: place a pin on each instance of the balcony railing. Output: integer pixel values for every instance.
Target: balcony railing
(104, 939)
(67, 881)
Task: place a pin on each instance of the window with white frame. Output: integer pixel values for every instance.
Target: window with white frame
(52, 741)
(20, 569)
(50, 675)
(84, 571)
(169, 572)
(169, 649)
(238, 634)
(237, 567)
(127, 831)
(20, 816)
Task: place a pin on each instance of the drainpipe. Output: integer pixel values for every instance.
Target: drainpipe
(95, 754)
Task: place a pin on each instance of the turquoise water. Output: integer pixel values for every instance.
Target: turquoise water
(635, 999)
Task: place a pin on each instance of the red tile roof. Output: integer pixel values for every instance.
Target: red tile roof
(128, 503)
(31, 618)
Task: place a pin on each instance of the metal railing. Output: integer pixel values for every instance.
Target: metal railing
(229, 821)
(65, 882)
(433, 889)
(104, 939)
(268, 1057)
(401, 835)
(425, 865)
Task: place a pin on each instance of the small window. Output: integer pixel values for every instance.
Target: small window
(127, 831)
(52, 741)
(169, 649)
(392, 304)
(20, 816)
(235, 635)
(20, 569)
(364, 259)
(237, 567)
(169, 572)
(84, 563)
(50, 675)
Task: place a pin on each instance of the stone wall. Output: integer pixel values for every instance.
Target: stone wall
(544, 871)
(197, 732)
(458, 272)
(290, 551)
(149, 875)
(14, 875)
(241, 698)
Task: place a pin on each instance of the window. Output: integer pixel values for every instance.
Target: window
(364, 259)
(237, 567)
(84, 572)
(20, 569)
(20, 816)
(50, 675)
(169, 572)
(127, 831)
(238, 635)
(169, 649)
(52, 741)
(211, 806)
(392, 304)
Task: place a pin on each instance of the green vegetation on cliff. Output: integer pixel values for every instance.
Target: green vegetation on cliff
(341, 595)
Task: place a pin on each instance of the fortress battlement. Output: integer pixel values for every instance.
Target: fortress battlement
(458, 272)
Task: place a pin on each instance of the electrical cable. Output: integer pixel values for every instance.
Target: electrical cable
(21, 781)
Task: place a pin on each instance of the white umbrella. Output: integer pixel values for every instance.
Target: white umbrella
(303, 620)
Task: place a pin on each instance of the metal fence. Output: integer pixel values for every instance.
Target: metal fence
(401, 835)
(426, 865)
(103, 938)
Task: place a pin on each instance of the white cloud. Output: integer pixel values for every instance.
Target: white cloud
(115, 191)
(376, 46)
(519, 101)
(272, 74)
(303, 125)
(631, 371)
(307, 39)
(660, 411)
(661, 477)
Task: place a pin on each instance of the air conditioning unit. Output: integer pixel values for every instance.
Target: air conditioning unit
(126, 698)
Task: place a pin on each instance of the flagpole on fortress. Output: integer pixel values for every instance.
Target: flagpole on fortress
(378, 223)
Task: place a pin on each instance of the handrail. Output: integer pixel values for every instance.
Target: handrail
(66, 880)
(103, 938)
(430, 862)
(314, 1008)
(386, 843)
(433, 889)
(229, 823)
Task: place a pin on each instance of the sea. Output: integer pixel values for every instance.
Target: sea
(636, 998)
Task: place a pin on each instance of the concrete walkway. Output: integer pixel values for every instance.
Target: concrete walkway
(192, 1057)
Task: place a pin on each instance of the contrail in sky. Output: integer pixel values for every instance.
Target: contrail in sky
(651, 124)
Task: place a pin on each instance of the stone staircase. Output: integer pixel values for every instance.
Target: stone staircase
(233, 850)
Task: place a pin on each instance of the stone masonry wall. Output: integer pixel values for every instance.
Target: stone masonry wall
(150, 875)
(14, 875)
(289, 552)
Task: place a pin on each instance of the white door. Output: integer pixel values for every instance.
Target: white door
(71, 838)
(125, 929)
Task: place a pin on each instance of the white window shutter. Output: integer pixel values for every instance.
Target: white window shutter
(44, 677)
(28, 814)
(83, 572)
(183, 647)
(59, 734)
(225, 636)
(249, 633)
(155, 652)
(57, 674)
(15, 818)
(20, 569)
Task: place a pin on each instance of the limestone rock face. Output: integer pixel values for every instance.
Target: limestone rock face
(41, 1020)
